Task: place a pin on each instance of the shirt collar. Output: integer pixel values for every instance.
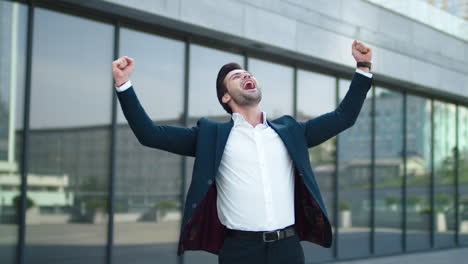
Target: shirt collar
(239, 120)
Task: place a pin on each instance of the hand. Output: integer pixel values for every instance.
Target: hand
(361, 52)
(122, 69)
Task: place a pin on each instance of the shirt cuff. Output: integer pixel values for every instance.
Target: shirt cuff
(124, 86)
(367, 74)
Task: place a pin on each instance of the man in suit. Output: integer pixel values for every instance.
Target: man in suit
(253, 195)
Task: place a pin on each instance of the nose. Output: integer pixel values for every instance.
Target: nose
(247, 75)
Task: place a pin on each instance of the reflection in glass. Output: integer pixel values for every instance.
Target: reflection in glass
(148, 181)
(276, 82)
(69, 139)
(444, 171)
(13, 29)
(204, 66)
(316, 96)
(354, 172)
(463, 173)
(388, 171)
(203, 102)
(418, 172)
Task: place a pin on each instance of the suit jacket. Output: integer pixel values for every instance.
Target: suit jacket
(201, 228)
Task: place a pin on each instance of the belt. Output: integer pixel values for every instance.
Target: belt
(269, 236)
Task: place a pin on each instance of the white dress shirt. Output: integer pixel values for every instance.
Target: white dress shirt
(255, 180)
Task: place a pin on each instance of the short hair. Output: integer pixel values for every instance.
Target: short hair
(221, 88)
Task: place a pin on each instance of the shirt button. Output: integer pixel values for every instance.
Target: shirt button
(210, 181)
(194, 205)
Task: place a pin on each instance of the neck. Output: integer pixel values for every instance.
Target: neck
(253, 115)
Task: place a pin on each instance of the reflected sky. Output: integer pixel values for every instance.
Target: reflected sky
(276, 82)
(158, 78)
(316, 93)
(71, 73)
(204, 66)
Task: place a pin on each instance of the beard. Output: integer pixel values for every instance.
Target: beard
(244, 98)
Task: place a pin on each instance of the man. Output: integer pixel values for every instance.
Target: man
(253, 194)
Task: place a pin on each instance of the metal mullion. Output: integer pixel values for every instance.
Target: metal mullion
(336, 212)
(405, 175)
(113, 154)
(457, 178)
(295, 92)
(185, 118)
(25, 137)
(432, 181)
(372, 178)
(185, 115)
(246, 61)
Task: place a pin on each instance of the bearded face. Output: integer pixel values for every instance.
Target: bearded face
(243, 88)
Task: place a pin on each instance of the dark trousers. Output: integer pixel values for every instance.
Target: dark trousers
(287, 250)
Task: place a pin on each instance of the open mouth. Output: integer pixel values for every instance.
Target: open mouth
(248, 85)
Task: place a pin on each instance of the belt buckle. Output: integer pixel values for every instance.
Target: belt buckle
(273, 232)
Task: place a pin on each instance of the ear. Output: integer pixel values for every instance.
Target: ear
(226, 98)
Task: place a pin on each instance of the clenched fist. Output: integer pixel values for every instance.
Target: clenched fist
(122, 68)
(361, 52)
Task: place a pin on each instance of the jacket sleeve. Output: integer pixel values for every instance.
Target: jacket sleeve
(326, 126)
(179, 140)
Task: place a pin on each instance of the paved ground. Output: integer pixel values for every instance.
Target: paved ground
(458, 255)
(149, 243)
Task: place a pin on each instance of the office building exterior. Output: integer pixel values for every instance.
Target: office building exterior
(76, 186)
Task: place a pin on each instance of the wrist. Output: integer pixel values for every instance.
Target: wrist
(365, 66)
(119, 83)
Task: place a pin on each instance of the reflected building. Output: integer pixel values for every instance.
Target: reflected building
(78, 154)
(395, 182)
(388, 137)
(49, 196)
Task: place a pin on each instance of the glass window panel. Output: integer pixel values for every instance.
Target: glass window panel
(463, 173)
(276, 82)
(69, 139)
(354, 172)
(444, 172)
(13, 30)
(204, 66)
(148, 181)
(418, 171)
(388, 171)
(316, 95)
(203, 102)
(159, 78)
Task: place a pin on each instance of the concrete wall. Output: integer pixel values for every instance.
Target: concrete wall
(403, 49)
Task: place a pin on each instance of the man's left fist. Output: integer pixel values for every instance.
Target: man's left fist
(361, 52)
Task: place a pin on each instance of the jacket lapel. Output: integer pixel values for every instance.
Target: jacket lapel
(287, 137)
(223, 131)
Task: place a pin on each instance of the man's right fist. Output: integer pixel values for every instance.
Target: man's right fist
(122, 68)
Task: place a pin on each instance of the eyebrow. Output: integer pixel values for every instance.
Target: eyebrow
(239, 73)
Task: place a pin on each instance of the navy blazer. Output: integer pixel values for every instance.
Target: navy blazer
(201, 228)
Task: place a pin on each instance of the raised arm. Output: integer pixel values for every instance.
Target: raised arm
(324, 127)
(179, 140)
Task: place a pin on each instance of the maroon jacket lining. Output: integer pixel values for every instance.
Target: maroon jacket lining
(204, 231)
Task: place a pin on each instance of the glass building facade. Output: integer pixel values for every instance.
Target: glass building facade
(77, 187)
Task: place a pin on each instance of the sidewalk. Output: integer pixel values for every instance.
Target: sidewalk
(457, 255)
